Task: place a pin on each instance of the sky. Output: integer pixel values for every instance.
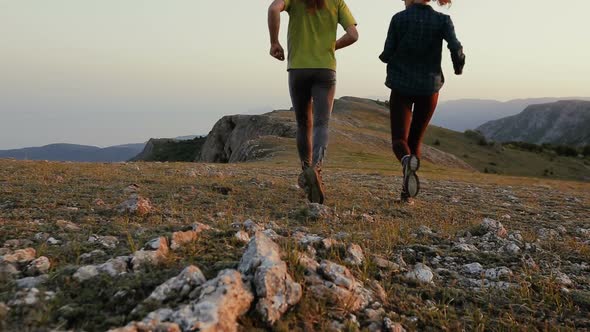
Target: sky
(121, 71)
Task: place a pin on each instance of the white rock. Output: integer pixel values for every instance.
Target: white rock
(31, 282)
(86, 273)
(38, 266)
(274, 287)
(491, 225)
(498, 273)
(473, 268)
(243, 236)
(562, 278)
(68, 225)
(21, 256)
(512, 248)
(115, 266)
(354, 255)
(465, 247)
(222, 300)
(179, 286)
(30, 297)
(53, 241)
(421, 273)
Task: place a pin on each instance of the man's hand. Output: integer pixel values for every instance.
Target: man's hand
(277, 52)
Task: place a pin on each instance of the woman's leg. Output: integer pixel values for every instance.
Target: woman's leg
(300, 85)
(323, 91)
(401, 116)
(424, 108)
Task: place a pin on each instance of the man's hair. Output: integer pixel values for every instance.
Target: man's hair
(313, 5)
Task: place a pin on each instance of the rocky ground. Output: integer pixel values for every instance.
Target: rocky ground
(181, 247)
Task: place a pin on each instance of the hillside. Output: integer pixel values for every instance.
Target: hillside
(74, 152)
(564, 122)
(463, 114)
(360, 134)
(234, 247)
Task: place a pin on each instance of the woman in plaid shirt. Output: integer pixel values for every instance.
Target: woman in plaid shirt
(413, 52)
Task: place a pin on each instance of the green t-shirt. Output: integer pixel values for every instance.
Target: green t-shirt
(312, 35)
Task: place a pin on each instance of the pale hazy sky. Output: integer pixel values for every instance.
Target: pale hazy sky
(209, 58)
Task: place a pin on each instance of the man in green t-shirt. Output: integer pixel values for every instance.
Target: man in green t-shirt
(312, 75)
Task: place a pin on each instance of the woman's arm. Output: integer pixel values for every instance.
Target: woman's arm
(390, 43)
(351, 37)
(455, 47)
(274, 25)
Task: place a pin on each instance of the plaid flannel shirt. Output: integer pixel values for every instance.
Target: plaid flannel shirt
(413, 50)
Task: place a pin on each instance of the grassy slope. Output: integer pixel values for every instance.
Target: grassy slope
(360, 135)
(264, 192)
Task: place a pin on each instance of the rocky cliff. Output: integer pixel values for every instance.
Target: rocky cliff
(170, 149)
(238, 138)
(563, 122)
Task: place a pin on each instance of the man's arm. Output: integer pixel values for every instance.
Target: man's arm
(351, 37)
(390, 43)
(274, 25)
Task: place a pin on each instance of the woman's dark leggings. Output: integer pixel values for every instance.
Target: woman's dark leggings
(318, 85)
(407, 127)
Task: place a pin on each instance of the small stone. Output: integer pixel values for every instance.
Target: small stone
(271, 234)
(498, 273)
(109, 242)
(53, 241)
(562, 278)
(3, 312)
(156, 244)
(180, 239)
(421, 273)
(99, 202)
(136, 205)
(243, 236)
(317, 211)
(38, 266)
(115, 266)
(383, 263)
(30, 297)
(251, 227)
(424, 231)
(199, 227)
(390, 326)
(91, 256)
(473, 268)
(367, 218)
(41, 237)
(512, 248)
(21, 256)
(68, 226)
(179, 286)
(465, 247)
(32, 282)
(491, 225)
(354, 255)
(17, 243)
(86, 273)
(8, 270)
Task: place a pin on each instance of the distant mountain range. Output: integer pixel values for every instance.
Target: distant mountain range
(463, 114)
(81, 153)
(564, 122)
(74, 152)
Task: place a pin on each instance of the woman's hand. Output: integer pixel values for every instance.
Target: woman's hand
(277, 52)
